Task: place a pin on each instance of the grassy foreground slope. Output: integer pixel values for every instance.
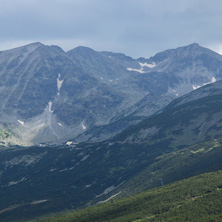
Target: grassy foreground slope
(198, 198)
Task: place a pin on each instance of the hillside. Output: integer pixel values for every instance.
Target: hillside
(180, 142)
(195, 199)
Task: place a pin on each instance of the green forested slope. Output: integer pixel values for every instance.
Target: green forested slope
(178, 143)
(195, 199)
(180, 164)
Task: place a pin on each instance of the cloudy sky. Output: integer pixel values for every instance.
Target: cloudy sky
(134, 27)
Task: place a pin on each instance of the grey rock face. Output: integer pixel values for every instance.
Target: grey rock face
(51, 96)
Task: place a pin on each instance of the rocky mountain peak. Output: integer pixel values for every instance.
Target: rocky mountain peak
(81, 51)
(192, 51)
(48, 95)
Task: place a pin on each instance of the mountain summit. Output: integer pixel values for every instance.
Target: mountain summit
(51, 96)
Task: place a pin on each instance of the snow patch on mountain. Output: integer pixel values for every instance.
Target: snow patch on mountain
(83, 126)
(142, 65)
(50, 107)
(173, 92)
(21, 122)
(152, 65)
(195, 87)
(135, 70)
(68, 143)
(213, 80)
(59, 84)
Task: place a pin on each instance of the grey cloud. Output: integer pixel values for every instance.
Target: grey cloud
(135, 27)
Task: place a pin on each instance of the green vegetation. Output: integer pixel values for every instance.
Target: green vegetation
(195, 199)
(4, 134)
(181, 142)
(183, 163)
(60, 176)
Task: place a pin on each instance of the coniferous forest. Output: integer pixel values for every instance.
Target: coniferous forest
(198, 198)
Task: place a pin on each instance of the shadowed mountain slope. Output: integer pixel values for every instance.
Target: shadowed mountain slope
(51, 96)
(180, 142)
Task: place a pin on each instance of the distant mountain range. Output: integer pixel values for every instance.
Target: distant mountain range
(48, 96)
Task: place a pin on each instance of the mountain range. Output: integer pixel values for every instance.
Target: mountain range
(48, 96)
(96, 126)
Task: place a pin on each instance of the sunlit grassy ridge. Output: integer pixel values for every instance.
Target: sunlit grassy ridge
(195, 199)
